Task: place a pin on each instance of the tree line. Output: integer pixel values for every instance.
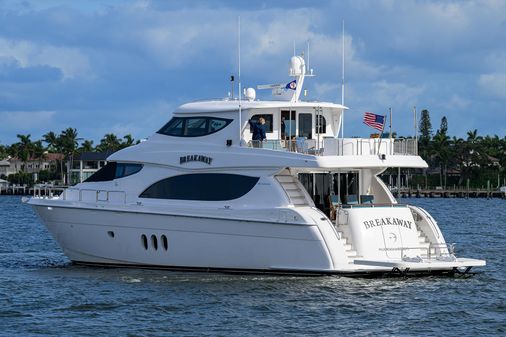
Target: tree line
(454, 159)
(67, 142)
(475, 158)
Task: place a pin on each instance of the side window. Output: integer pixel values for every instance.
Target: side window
(321, 124)
(113, 170)
(217, 124)
(268, 122)
(106, 173)
(193, 126)
(201, 186)
(174, 127)
(126, 169)
(196, 127)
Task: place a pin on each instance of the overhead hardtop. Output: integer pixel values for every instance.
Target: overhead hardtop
(233, 105)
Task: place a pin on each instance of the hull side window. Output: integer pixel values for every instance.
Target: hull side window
(203, 186)
(113, 170)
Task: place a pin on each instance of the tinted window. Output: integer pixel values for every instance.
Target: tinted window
(196, 127)
(204, 186)
(114, 170)
(321, 124)
(106, 173)
(193, 126)
(126, 169)
(268, 122)
(217, 124)
(175, 127)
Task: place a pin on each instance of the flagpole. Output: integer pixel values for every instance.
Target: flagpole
(416, 133)
(390, 123)
(381, 134)
(239, 73)
(342, 86)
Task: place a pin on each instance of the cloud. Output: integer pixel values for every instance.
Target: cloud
(494, 84)
(70, 61)
(390, 94)
(326, 89)
(125, 65)
(25, 120)
(456, 102)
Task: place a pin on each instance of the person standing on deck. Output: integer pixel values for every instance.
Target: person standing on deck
(258, 131)
(283, 128)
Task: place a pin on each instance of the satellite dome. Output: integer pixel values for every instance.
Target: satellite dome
(297, 66)
(250, 94)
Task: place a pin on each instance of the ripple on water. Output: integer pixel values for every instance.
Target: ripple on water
(41, 293)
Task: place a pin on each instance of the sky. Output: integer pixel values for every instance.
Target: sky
(124, 66)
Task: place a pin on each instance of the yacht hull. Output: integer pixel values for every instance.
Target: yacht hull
(98, 236)
(115, 238)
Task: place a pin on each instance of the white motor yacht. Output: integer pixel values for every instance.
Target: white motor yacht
(200, 194)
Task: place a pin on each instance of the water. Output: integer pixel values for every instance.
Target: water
(41, 293)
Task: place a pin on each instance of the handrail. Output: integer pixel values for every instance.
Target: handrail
(372, 205)
(450, 248)
(96, 192)
(428, 218)
(339, 146)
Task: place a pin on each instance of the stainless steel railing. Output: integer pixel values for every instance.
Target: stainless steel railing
(95, 195)
(329, 146)
(437, 250)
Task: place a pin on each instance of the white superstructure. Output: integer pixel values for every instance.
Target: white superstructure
(200, 194)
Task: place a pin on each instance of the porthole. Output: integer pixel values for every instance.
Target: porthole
(110, 233)
(165, 242)
(154, 242)
(144, 240)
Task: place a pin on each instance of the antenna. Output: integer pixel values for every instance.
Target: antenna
(342, 69)
(239, 74)
(232, 85)
(307, 56)
(342, 86)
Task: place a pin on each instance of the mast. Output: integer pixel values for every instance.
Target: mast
(342, 85)
(390, 110)
(239, 75)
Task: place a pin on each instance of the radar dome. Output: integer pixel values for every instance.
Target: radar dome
(250, 94)
(297, 66)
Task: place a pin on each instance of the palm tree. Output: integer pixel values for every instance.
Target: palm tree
(3, 151)
(38, 151)
(476, 155)
(69, 143)
(24, 149)
(109, 142)
(55, 145)
(52, 141)
(442, 155)
(128, 141)
(86, 146)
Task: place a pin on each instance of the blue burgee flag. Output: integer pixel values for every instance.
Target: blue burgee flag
(292, 85)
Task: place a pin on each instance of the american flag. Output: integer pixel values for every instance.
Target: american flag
(374, 121)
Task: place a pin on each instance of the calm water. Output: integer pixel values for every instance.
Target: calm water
(42, 294)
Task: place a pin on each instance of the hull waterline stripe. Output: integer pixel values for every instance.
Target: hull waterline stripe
(286, 272)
